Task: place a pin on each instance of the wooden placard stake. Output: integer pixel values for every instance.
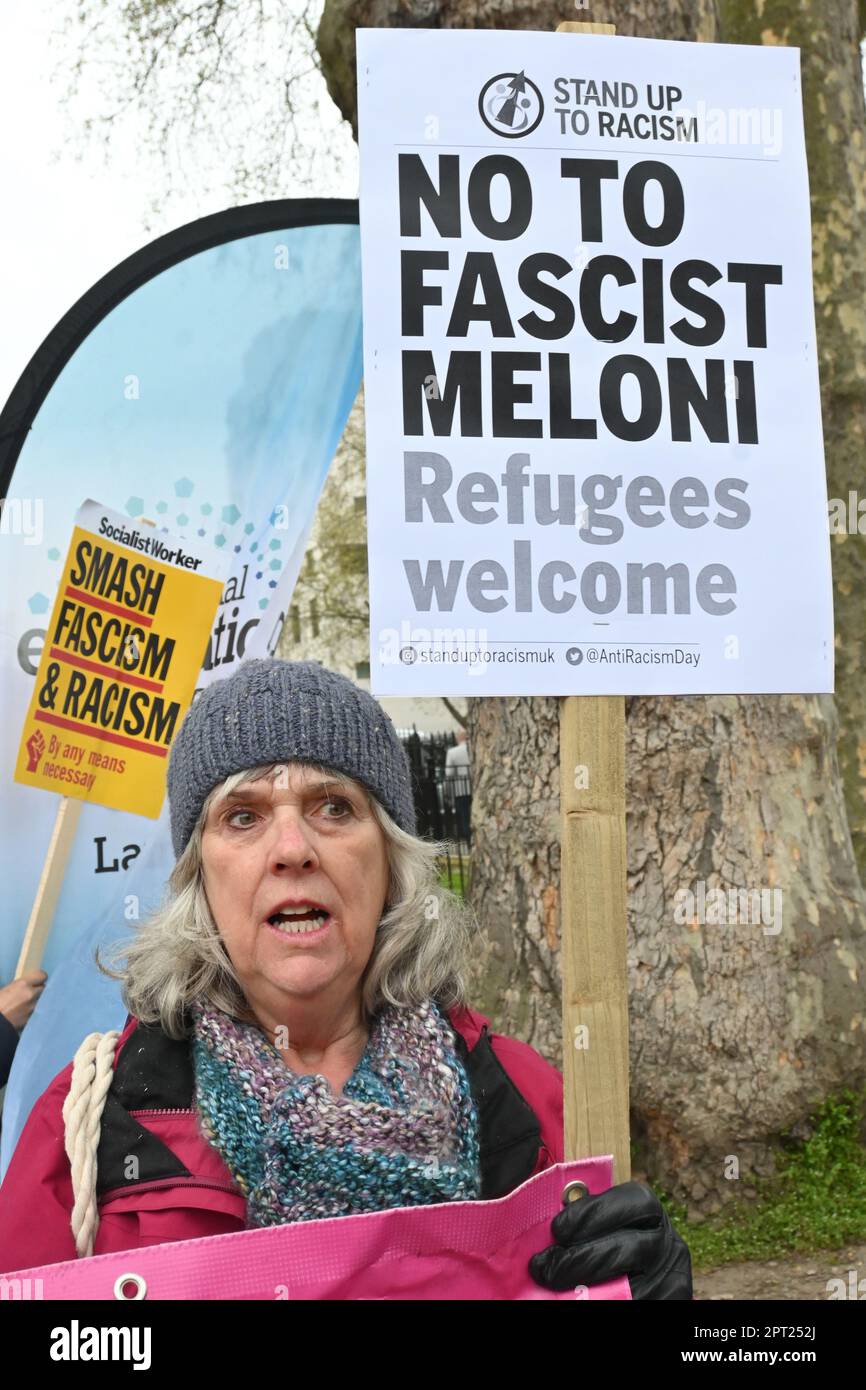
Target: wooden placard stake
(50, 881)
(593, 912)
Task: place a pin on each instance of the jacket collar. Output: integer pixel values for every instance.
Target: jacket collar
(155, 1072)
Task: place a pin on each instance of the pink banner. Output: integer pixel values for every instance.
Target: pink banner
(454, 1250)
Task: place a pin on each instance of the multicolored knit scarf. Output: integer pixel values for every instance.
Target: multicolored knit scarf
(403, 1132)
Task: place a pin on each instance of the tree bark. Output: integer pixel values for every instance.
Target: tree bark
(828, 37)
(736, 1032)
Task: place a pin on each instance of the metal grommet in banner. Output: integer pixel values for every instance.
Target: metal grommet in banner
(121, 1284)
(574, 1191)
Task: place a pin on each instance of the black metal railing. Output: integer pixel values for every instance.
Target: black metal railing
(443, 802)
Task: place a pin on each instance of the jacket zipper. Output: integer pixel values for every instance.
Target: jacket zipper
(159, 1184)
(169, 1110)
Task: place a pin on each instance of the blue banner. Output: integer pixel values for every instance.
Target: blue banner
(203, 385)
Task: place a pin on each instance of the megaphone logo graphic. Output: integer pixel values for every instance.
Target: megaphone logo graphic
(511, 105)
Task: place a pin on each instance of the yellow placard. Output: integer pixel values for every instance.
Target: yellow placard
(123, 650)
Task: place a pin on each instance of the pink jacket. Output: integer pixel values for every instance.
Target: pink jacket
(178, 1187)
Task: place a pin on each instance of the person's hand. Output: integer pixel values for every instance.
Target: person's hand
(19, 998)
(624, 1231)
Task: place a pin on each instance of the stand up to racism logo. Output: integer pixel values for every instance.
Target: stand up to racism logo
(511, 105)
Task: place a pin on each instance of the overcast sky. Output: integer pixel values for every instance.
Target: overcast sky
(66, 221)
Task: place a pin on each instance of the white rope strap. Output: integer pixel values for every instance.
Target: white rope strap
(92, 1072)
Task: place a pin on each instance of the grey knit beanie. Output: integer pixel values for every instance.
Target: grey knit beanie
(271, 711)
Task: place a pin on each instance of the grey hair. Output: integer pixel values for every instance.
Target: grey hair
(177, 955)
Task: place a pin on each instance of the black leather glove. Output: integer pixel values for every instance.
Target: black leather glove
(622, 1231)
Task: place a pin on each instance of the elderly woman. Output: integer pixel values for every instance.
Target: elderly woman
(298, 1042)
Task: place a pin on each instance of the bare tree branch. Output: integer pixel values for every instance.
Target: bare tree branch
(238, 77)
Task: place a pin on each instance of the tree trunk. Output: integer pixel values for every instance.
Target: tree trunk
(828, 37)
(736, 1031)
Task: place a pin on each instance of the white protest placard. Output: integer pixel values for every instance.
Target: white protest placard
(594, 450)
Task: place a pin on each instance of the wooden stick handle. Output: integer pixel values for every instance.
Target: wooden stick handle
(573, 27)
(48, 891)
(594, 965)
